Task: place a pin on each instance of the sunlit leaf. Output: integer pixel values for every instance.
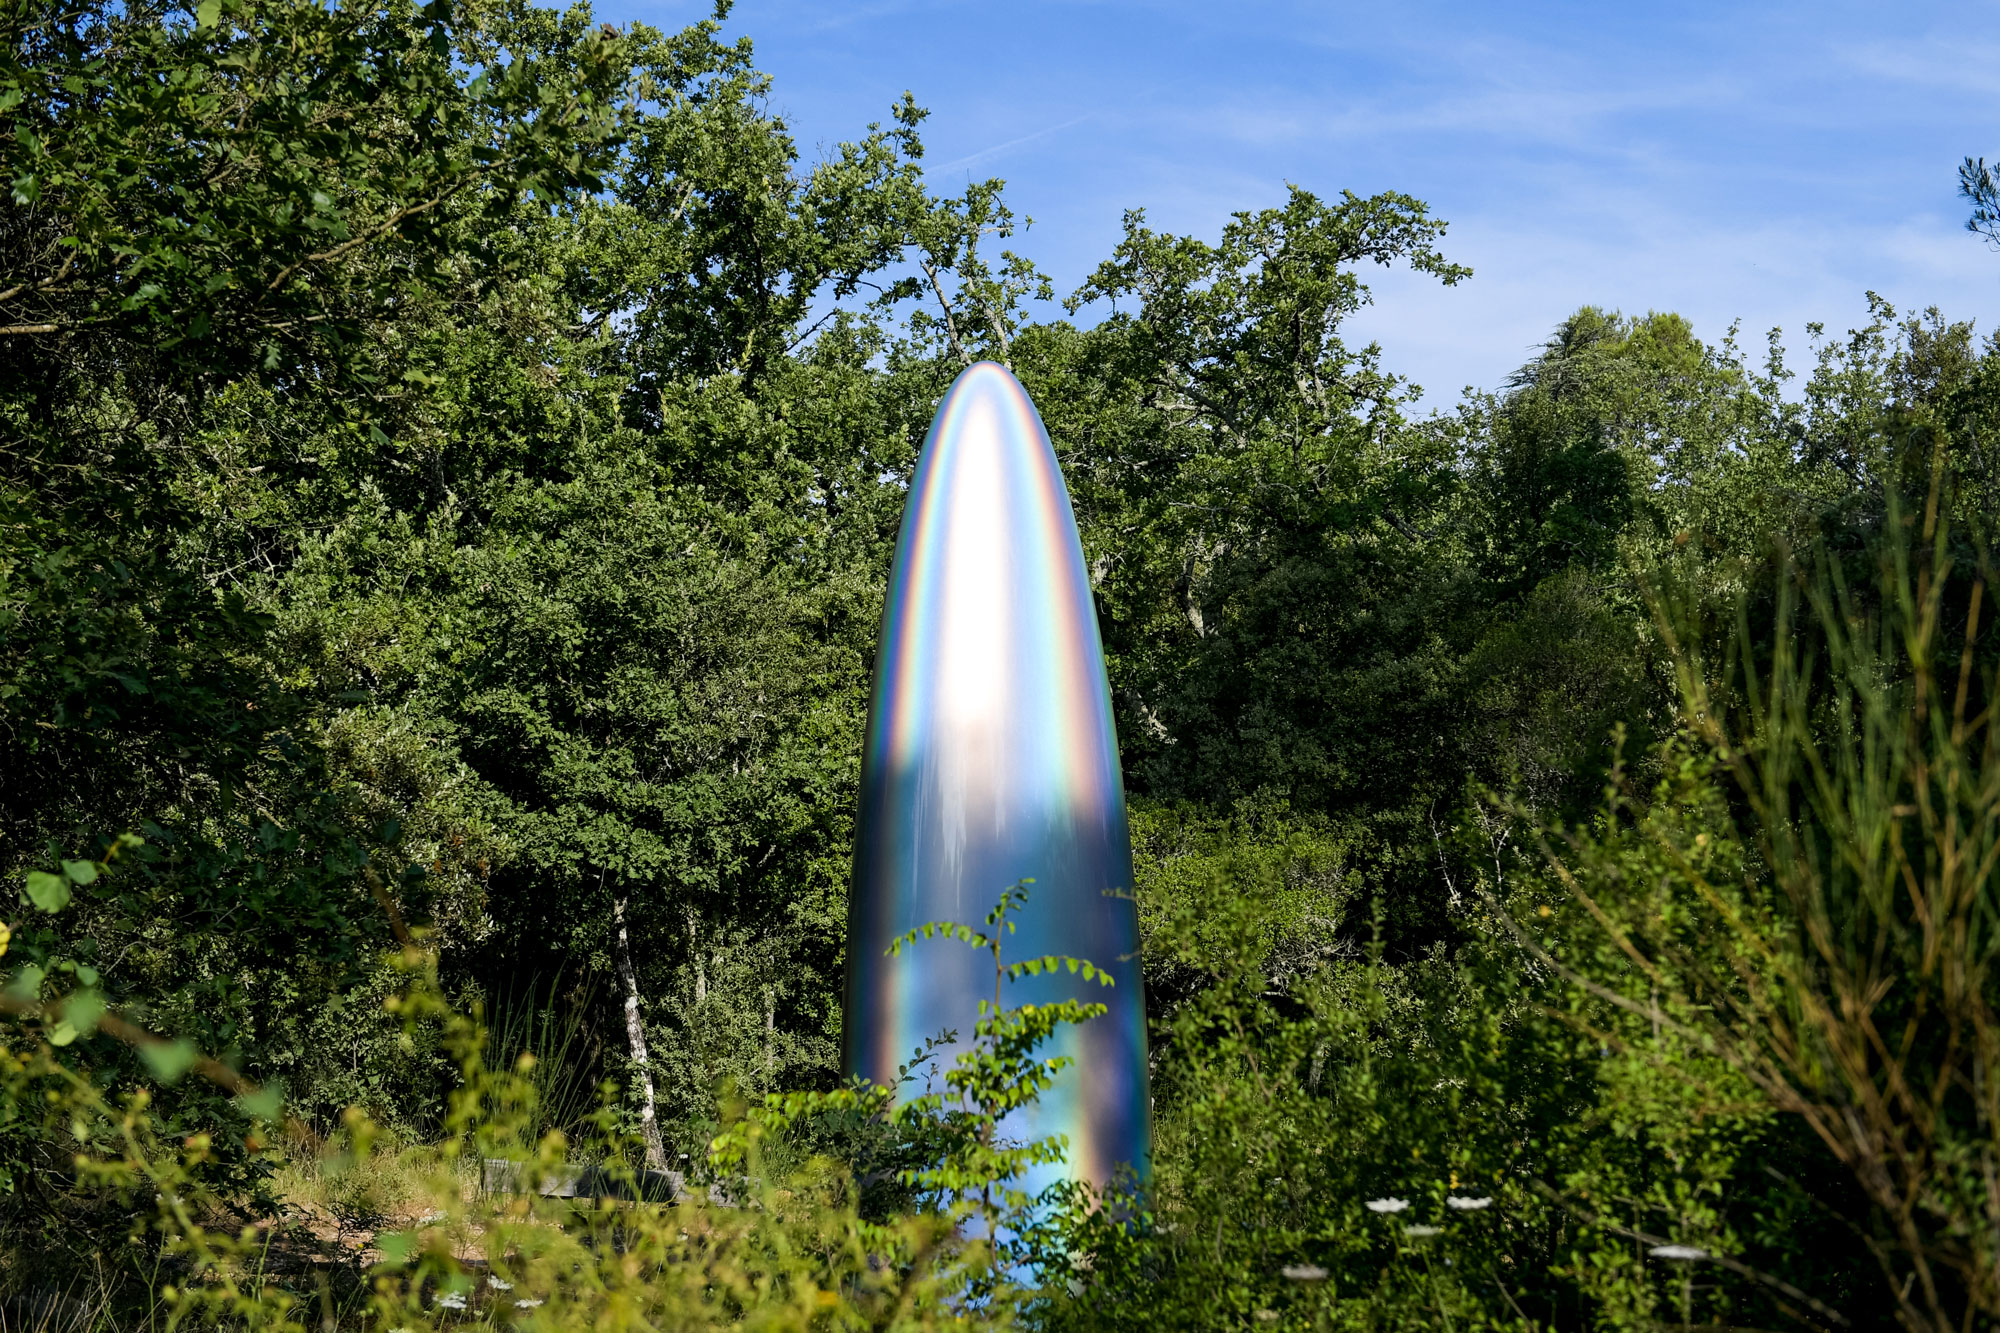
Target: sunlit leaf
(82, 1009)
(168, 1060)
(48, 892)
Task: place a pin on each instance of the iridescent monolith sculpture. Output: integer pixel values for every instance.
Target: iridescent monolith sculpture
(991, 758)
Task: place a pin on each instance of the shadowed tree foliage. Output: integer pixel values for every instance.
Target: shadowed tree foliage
(450, 459)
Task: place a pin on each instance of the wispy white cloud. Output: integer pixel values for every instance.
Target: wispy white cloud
(1000, 150)
(1936, 61)
(1522, 116)
(1768, 163)
(859, 13)
(1764, 275)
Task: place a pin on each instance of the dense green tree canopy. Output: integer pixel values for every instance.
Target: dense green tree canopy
(450, 458)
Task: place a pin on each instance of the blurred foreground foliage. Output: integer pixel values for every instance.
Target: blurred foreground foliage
(459, 1231)
(450, 457)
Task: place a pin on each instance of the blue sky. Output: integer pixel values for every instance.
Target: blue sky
(1768, 163)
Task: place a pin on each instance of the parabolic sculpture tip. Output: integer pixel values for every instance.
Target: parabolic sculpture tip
(991, 758)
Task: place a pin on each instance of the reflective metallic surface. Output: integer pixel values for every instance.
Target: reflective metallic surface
(991, 758)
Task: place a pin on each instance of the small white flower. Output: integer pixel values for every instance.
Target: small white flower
(1422, 1231)
(1467, 1205)
(1267, 1316)
(526, 1305)
(451, 1300)
(1686, 1253)
(497, 1284)
(1304, 1272)
(1387, 1205)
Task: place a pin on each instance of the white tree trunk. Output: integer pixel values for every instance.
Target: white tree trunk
(770, 1035)
(700, 967)
(635, 1034)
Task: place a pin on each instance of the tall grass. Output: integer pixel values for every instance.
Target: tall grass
(1810, 897)
(541, 1034)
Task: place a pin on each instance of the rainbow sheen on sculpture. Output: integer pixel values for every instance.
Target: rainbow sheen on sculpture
(991, 758)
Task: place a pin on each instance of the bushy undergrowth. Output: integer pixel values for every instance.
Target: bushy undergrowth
(366, 1230)
(1715, 1058)
(488, 1226)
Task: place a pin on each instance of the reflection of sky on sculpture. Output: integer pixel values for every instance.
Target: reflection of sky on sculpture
(991, 758)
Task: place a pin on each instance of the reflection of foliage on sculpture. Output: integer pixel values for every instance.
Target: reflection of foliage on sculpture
(1000, 1073)
(946, 1148)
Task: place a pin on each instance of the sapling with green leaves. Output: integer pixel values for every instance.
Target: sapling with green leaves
(955, 1155)
(1001, 1073)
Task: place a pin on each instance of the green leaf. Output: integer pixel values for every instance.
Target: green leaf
(80, 872)
(48, 892)
(264, 1103)
(208, 15)
(168, 1059)
(27, 983)
(62, 1034)
(82, 1010)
